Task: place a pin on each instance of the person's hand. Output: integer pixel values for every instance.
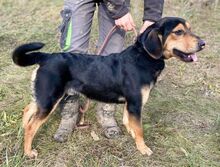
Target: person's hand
(146, 24)
(126, 22)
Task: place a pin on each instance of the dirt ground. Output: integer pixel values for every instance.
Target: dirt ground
(181, 120)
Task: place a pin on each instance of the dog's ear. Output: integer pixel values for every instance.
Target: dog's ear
(153, 44)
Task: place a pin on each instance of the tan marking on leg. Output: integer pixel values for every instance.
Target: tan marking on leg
(137, 125)
(145, 91)
(28, 111)
(31, 129)
(125, 118)
(137, 134)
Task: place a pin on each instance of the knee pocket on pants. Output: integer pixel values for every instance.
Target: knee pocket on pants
(66, 29)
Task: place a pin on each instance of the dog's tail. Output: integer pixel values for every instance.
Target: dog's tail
(22, 58)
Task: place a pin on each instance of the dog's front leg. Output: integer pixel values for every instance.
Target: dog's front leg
(132, 121)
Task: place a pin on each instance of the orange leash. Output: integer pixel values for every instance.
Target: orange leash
(107, 38)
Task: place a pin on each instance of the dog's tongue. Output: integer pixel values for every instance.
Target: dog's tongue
(194, 57)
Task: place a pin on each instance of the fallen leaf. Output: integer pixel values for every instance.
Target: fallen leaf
(95, 136)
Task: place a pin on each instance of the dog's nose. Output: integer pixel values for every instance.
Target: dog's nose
(201, 44)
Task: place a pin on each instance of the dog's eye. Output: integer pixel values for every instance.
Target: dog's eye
(179, 32)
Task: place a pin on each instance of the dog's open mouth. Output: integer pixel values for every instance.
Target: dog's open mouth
(186, 57)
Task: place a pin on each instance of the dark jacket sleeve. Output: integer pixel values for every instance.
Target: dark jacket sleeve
(117, 8)
(153, 9)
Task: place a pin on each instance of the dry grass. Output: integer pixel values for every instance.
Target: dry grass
(181, 120)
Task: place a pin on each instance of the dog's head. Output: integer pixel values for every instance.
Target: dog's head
(171, 37)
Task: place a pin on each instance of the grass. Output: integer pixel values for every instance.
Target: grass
(181, 120)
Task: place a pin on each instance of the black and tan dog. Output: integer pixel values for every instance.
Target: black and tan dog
(125, 77)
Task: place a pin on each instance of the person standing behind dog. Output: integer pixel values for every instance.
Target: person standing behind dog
(75, 33)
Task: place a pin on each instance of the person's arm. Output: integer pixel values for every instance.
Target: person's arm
(153, 10)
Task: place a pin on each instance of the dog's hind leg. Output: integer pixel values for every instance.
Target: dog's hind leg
(28, 112)
(32, 127)
(48, 94)
(133, 123)
(30, 131)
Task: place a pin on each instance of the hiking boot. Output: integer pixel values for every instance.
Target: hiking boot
(69, 112)
(105, 116)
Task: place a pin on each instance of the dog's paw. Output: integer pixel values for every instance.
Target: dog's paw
(144, 149)
(32, 154)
